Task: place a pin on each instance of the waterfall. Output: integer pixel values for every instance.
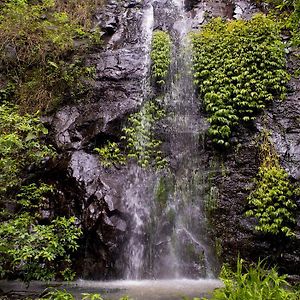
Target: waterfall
(168, 224)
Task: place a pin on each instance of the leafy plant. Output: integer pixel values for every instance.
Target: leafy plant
(273, 199)
(139, 140)
(30, 250)
(87, 296)
(111, 154)
(160, 56)
(20, 145)
(253, 283)
(56, 294)
(239, 67)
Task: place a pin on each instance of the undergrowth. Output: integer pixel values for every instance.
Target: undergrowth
(42, 47)
(255, 282)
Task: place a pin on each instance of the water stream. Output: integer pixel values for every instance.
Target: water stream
(169, 251)
(169, 229)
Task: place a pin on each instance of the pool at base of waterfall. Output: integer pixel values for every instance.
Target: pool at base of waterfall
(113, 290)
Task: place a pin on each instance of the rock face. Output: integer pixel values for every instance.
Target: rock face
(121, 69)
(94, 194)
(241, 166)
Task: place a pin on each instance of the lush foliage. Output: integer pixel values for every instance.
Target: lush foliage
(239, 67)
(273, 199)
(160, 56)
(253, 283)
(64, 295)
(20, 145)
(33, 251)
(29, 249)
(39, 55)
(139, 140)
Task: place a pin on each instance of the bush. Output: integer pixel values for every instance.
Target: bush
(253, 283)
(33, 251)
(20, 145)
(39, 54)
(29, 249)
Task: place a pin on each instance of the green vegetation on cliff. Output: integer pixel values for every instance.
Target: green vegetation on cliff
(31, 247)
(160, 56)
(273, 199)
(20, 145)
(43, 45)
(239, 67)
(41, 50)
(139, 142)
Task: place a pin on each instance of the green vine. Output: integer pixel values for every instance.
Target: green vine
(160, 56)
(272, 201)
(110, 155)
(139, 140)
(239, 67)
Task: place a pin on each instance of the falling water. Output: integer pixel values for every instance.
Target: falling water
(169, 229)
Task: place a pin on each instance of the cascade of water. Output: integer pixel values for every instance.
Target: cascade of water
(139, 183)
(169, 236)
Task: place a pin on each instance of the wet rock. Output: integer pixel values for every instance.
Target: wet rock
(232, 226)
(95, 195)
(86, 189)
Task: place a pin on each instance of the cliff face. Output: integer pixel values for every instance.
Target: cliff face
(77, 129)
(241, 164)
(95, 194)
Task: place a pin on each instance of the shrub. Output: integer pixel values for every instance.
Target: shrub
(239, 67)
(20, 145)
(39, 49)
(28, 249)
(33, 251)
(253, 283)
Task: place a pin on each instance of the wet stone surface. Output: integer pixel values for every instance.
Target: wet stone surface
(96, 195)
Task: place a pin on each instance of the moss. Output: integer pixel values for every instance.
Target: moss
(164, 188)
(218, 247)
